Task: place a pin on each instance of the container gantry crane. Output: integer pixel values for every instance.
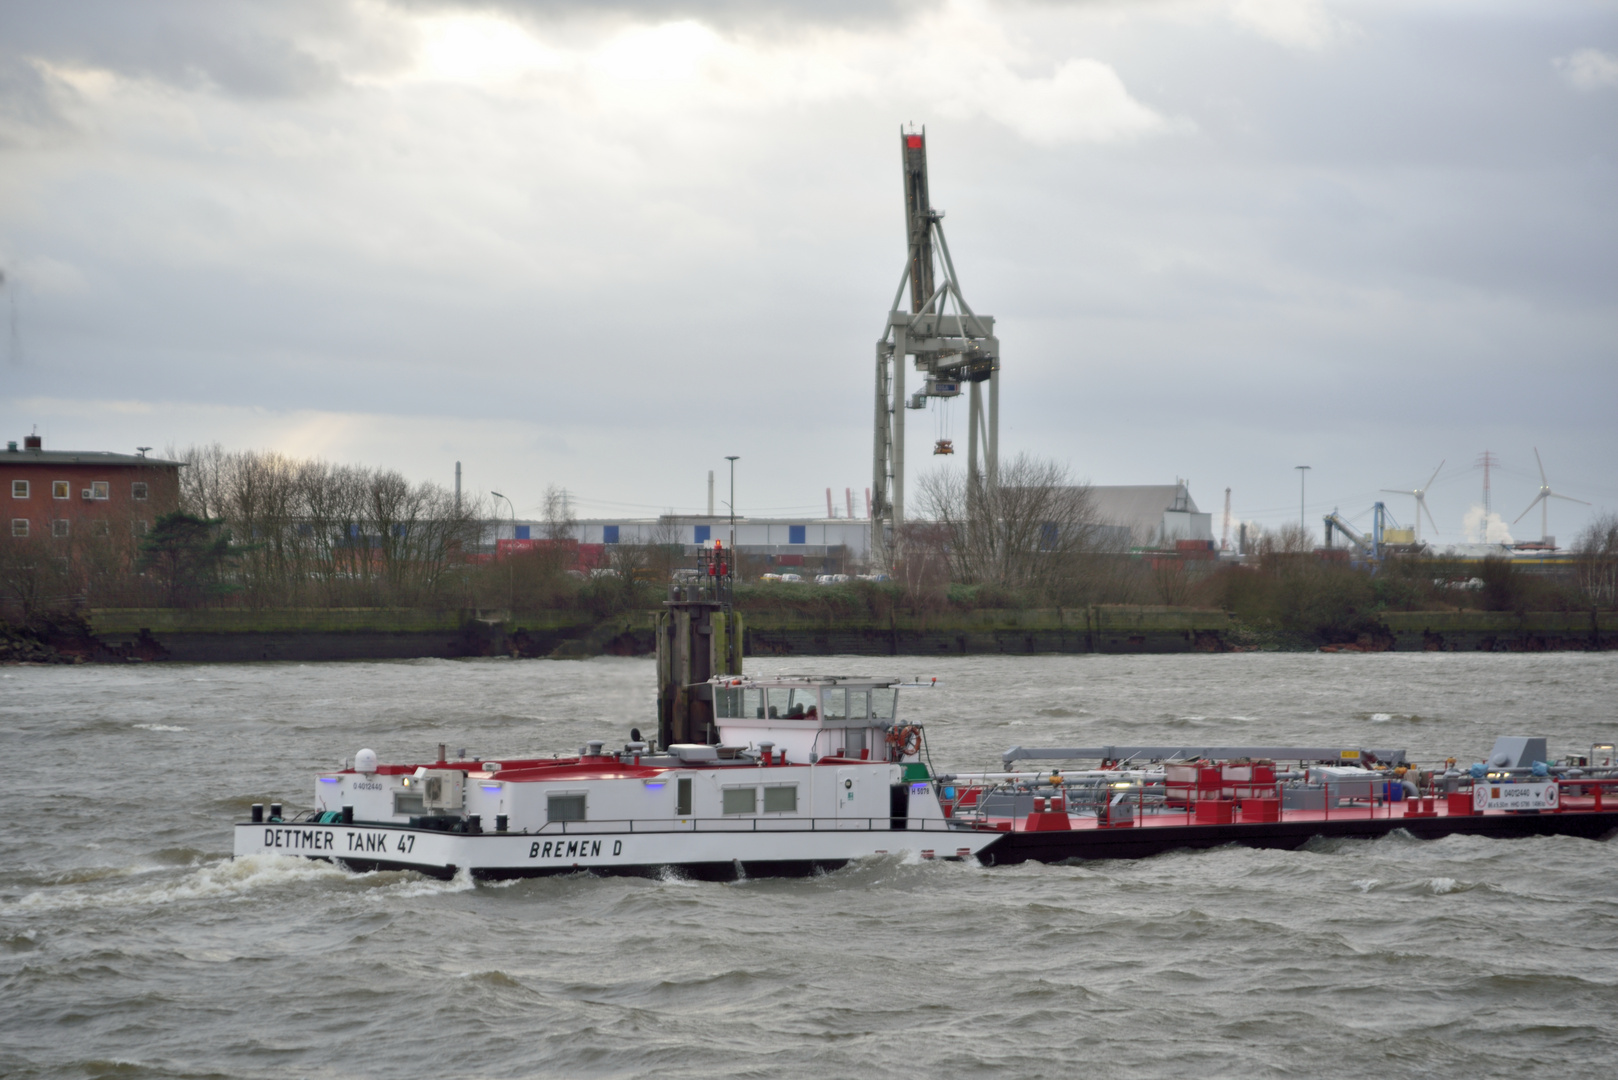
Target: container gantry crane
(949, 350)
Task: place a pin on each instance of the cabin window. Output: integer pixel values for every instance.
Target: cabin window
(780, 702)
(834, 703)
(805, 702)
(781, 799)
(564, 808)
(682, 797)
(859, 704)
(408, 802)
(726, 703)
(753, 704)
(882, 703)
(19, 489)
(739, 800)
(61, 489)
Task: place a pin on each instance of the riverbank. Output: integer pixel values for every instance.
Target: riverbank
(316, 634)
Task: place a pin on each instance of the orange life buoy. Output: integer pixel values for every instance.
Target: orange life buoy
(907, 740)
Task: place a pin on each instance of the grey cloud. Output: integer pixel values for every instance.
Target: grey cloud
(243, 49)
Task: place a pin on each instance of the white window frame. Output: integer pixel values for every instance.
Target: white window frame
(139, 490)
(100, 490)
(19, 527)
(61, 527)
(61, 489)
(780, 787)
(584, 801)
(724, 798)
(20, 489)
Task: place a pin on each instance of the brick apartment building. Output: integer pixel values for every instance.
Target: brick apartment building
(69, 494)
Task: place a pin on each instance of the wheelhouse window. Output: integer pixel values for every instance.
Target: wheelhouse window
(882, 703)
(59, 527)
(753, 703)
(19, 526)
(61, 489)
(19, 489)
(834, 703)
(739, 800)
(859, 704)
(781, 799)
(138, 491)
(564, 808)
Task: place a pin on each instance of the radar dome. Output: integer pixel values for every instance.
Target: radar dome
(365, 762)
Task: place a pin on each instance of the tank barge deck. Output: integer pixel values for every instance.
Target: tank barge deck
(1144, 801)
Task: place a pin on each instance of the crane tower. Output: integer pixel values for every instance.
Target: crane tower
(951, 346)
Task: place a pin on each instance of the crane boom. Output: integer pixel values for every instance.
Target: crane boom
(918, 220)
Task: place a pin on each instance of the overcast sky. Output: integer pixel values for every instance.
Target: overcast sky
(603, 245)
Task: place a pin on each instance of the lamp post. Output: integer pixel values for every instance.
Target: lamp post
(732, 459)
(1303, 472)
(511, 573)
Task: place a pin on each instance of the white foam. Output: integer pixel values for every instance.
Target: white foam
(227, 879)
(461, 882)
(160, 727)
(1381, 717)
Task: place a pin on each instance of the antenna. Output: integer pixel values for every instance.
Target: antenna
(1487, 461)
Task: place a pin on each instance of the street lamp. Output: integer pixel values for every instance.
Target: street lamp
(732, 459)
(1303, 472)
(511, 571)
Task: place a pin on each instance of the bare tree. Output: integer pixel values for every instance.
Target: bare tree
(1028, 531)
(1597, 552)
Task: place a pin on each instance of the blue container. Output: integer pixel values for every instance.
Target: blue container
(1393, 791)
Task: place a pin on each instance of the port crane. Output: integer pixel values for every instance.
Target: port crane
(951, 346)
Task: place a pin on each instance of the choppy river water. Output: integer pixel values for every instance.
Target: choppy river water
(131, 946)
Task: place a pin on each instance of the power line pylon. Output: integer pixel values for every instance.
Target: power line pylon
(948, 349)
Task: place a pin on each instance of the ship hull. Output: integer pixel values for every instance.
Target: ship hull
(1139, 842)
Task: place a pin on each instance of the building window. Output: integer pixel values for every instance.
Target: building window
(101, 528)
(100, 489)
(703, 534)
(140, 526)
(523, 532)
(19, 489)
(59, 527)
(19, 526)
(796, 534)
(61, 489)
(137, 491)
(609, 534)
(781, 800)
(739, 800)
(564, 808)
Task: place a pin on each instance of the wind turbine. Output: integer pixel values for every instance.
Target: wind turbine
(1544, 500)
(1421, 500)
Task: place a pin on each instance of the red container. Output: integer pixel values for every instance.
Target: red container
(1261, 809)
(1460, 802)
(1215, 812)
